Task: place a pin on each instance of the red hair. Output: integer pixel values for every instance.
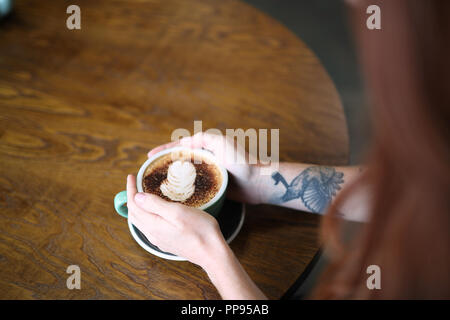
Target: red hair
(407, 68)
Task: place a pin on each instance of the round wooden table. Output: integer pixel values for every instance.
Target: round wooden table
(79, 109)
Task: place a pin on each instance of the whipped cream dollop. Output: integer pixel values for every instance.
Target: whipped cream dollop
(179, 185)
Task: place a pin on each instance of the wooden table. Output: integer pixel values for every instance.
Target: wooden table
(79, 109)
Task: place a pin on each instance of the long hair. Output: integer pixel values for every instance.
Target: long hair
(407, 71)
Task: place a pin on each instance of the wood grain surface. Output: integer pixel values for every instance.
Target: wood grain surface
(79, 109)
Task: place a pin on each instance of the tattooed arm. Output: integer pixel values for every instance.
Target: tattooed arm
(295, 185)
(309, 188)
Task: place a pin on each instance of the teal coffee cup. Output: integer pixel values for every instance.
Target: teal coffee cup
(5, 7)
(212, 207)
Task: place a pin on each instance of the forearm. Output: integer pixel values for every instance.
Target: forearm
(308, 187)
(230, 278)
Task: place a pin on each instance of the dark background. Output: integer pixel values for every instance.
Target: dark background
(323, 25)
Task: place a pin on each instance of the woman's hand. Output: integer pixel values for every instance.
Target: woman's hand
(175, 228)
(243, 178)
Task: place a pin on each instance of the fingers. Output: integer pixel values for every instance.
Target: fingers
(194, 142)
(163, 147)
(186, 142)
(165, 209)
(147, 209)
(134, 211)
(147, 222)
(199, 140)
(202, 140)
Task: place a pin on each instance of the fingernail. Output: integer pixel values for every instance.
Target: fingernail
(139, 197)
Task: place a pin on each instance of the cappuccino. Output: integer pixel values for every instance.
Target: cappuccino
(180, 176)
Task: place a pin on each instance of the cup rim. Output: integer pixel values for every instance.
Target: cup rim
(208, 154)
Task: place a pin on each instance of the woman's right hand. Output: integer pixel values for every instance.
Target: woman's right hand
(243, 182)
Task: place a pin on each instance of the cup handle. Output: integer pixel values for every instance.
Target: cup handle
(120, 203)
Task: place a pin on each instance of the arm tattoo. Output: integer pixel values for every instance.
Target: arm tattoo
(315, 186)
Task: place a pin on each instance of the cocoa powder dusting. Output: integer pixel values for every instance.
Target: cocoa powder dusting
(207, 183)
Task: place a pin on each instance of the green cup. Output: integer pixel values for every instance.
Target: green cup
(212, 207)
(5, 7)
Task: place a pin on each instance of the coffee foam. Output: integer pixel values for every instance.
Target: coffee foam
(179, 184)
(208, 178)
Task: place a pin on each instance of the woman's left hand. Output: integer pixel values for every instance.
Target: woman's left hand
(184, 231)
